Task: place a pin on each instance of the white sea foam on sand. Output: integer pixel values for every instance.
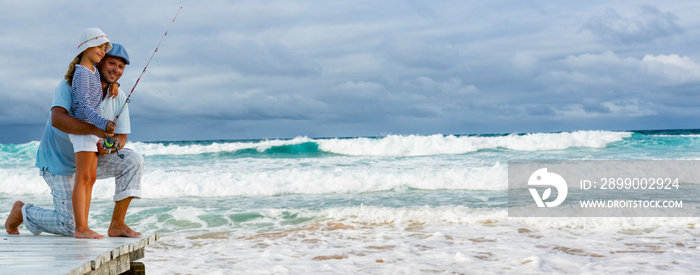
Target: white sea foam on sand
(444, 240)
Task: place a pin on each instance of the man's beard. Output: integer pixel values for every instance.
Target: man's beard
(106, 80)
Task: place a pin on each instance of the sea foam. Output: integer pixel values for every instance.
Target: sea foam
(296, 179)
(395, 145)
(399, 145)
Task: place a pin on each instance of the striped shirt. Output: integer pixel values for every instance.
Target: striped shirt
(87, 96)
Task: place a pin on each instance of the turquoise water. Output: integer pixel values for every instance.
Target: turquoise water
(313, 205)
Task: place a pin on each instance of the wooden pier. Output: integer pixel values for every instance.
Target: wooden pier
(51, 254)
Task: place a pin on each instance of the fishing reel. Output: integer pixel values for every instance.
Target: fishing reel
(112, 143)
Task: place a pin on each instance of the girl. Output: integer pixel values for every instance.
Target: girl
(87, 95)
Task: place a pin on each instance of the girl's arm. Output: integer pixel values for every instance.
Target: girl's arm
(81, 96)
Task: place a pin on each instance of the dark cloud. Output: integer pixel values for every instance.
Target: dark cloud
(420, 54)
(540, 110)
(259, 58)
(595, 107)
(251, 69)
(647, 24)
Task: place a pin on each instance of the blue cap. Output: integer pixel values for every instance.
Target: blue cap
(119, 51)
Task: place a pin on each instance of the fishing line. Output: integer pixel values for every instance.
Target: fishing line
(128, 98)
(111, 143)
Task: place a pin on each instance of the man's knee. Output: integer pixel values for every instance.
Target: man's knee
(128, 184)
(58, 221)
(134, 158)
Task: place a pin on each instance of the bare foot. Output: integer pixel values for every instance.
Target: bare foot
(87, 234)
(122, 231)
(14, 219)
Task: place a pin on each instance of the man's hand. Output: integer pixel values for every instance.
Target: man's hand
(113, 90)
(101, 150)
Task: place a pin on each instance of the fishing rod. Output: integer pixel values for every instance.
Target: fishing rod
(110, 142)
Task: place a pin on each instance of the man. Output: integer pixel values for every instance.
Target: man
(56, 159)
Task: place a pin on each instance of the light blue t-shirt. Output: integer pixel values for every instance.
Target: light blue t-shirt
(55, 152)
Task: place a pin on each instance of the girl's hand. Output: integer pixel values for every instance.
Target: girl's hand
(111, 125)
(113, 90)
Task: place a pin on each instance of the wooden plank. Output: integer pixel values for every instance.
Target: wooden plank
(136, 268)
(29, 254)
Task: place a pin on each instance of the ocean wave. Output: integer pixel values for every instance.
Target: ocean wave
(395, 145)
(18, 155)
(678, 136)
(390, 145)
(272, 177)
(22, 181)
(241, 182)
(195, 148)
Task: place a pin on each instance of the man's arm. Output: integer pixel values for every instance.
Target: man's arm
(68, 124)
(122, 140)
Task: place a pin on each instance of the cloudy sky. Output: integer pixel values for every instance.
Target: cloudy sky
(278, 69)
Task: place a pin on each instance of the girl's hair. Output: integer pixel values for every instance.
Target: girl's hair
(71, 69)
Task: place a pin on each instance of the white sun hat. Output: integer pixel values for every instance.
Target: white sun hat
(93, 37)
